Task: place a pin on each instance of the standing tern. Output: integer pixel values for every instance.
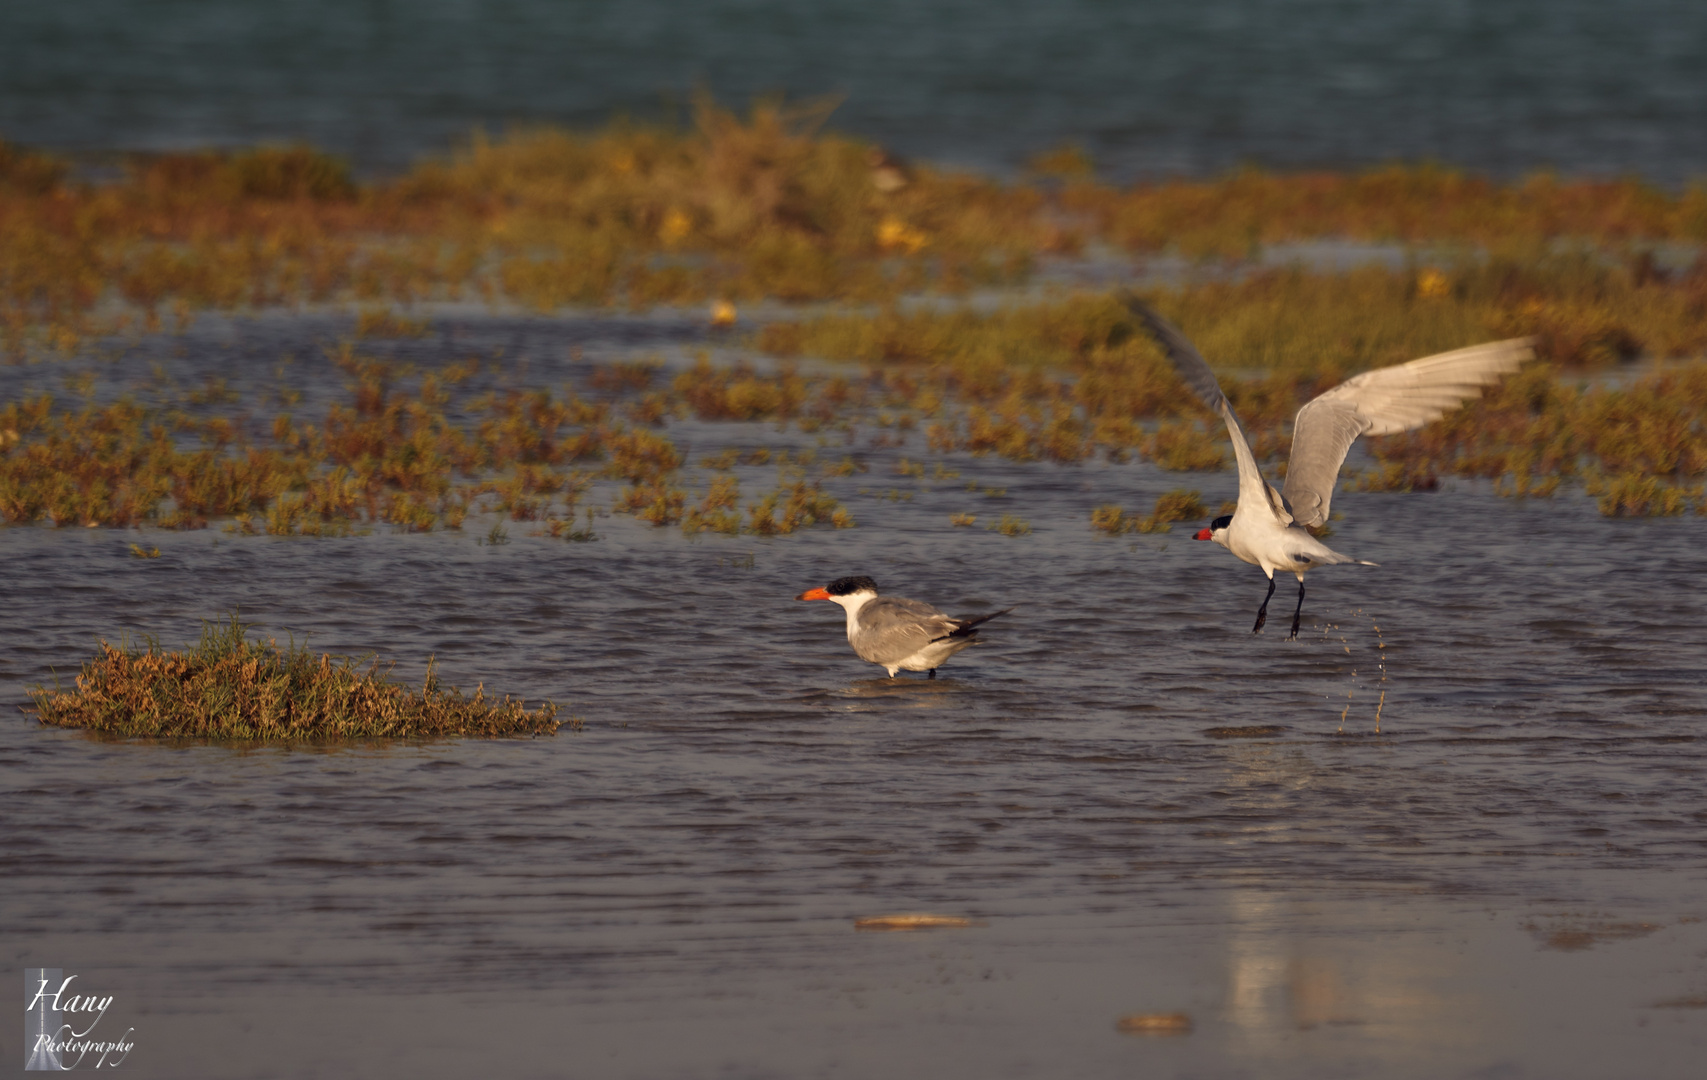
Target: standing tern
(895, 633)
(1270, 529)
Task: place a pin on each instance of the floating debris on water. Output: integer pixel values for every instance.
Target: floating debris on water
(1156, 1024)
(1573, 933)
(1250, 731)
(915, 922)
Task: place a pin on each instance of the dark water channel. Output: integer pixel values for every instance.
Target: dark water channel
(1508, 880)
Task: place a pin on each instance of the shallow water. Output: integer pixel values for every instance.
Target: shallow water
(1508, 880)
(1576, 85)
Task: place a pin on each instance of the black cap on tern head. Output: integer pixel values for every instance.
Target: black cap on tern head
(849, 585)
(1214, 526)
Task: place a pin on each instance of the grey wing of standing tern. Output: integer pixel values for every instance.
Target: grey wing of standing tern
(893, 628)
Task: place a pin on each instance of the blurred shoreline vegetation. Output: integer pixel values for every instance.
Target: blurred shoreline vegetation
(228, 687)
(767, 206)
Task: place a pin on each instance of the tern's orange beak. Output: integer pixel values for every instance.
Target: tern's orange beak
(1204, 534)
(813, 594)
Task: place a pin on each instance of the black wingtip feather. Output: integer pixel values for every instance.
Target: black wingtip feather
(1192, 368)
(968, 627)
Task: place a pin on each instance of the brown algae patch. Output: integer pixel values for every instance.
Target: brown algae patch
(916, 922)
(228, 687)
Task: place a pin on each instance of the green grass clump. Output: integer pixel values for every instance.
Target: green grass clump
(228, 687)
(1635, 495)
(1175, 505)
(1010, 525)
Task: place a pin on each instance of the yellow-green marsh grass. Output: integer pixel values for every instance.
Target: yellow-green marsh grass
(729, 208)
(419, 450)
(1641, 447)
(718, 511)
(768, 206)
(1059, 381)
(1413, 204)
(796, 506)
(1587, 311)
(229, 687)
(1175, 505)
(764, 206)
(383, 322)
(1063, 379)
(411, 450)
(1010, 525)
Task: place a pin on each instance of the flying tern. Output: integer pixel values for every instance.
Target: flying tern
(1269, 528)
(894, 633)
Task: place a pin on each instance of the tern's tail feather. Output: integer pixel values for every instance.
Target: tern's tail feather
(1330, 557)
(968, 627)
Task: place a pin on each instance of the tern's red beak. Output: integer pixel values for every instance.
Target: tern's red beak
(1204, 534)
(813, 594)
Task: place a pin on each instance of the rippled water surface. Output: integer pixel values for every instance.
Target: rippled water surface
(1142, 807)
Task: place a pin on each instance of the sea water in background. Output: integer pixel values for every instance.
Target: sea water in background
(1583, 86)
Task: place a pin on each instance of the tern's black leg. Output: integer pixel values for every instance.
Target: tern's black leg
(933, 673)
(1262, 612)
(1298, 611)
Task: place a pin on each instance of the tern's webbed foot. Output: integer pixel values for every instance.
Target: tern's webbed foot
(1262, 617)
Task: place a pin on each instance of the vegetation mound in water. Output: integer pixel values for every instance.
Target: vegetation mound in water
(228, 687)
